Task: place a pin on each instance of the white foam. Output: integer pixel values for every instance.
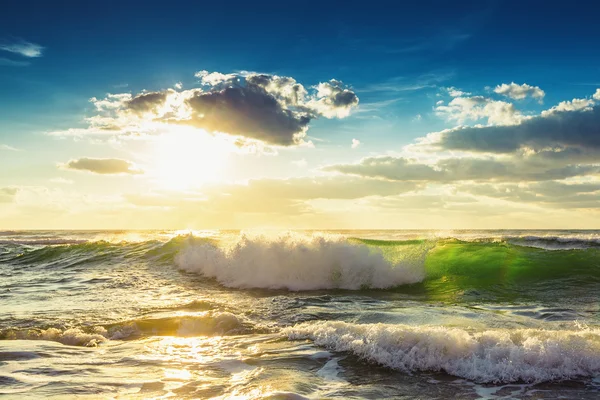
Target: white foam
(72, 337)
(299, 262)
(498, 355)
(331, 371)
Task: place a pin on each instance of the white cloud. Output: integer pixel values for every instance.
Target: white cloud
(333, 100)
(355, 143)
(22, 47)
(214, 78)
(597, 95)
(7, 147)
(463, 109)
(572, 105)
(519, 92)
(178, 85)
(454, 92)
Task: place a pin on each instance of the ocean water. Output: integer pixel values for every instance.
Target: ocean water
(294, 315)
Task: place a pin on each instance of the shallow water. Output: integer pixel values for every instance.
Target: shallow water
(353, 314)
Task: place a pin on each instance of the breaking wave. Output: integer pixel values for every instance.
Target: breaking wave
(496, 355)
(299, 262)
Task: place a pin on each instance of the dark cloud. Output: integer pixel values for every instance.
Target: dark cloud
(250, 112)
(105, 166)
(461, 169)
(146, 101)
(274, 109)
(284, 88)
(580, 129)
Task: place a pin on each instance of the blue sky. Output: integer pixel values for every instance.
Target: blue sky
(400, 60)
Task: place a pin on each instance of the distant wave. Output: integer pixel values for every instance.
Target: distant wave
(299, 262)
(555, 242)
(42, 242)
(496, 355)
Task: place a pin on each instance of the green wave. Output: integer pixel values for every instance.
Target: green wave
(453, 267)
(498, 270)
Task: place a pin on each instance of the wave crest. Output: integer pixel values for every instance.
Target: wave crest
(498, 355)
(198, 324)
(299, 262)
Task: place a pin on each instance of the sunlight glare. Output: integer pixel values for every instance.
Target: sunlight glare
(186, 158)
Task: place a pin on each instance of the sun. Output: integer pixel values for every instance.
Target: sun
(186, 158)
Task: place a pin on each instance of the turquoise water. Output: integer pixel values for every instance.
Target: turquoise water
(349, 314)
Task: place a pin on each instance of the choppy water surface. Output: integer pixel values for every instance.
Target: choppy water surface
(353, 314)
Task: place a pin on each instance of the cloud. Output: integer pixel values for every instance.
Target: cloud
(596, 95)
(333, 100)
(462, 169)
(7, 194)
(548, 194)
(146, 102)
(519, 92)
(558, 129)
(274, 110)
(13, 63)
(250, 112)
(215, 78)
(104, 166)
(8, 148)
(22, 47)
(572, 105)
(280, 196)
(454, 92)
(404, 84)
(355, 143)
(462, 109)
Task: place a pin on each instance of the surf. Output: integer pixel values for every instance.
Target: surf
(485, 356)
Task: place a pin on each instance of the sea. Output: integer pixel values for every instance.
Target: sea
(490, 314)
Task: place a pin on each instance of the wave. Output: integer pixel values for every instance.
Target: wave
(299, 262)
(489, 356)
(42, 242)
(555, 242)
(296, 262)
(200, 324)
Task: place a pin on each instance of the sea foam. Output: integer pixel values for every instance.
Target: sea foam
(496, 355)
(298, 262)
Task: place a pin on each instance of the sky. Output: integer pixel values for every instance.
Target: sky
(316, 115)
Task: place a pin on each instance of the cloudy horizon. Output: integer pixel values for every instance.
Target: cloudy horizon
(435, 131)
